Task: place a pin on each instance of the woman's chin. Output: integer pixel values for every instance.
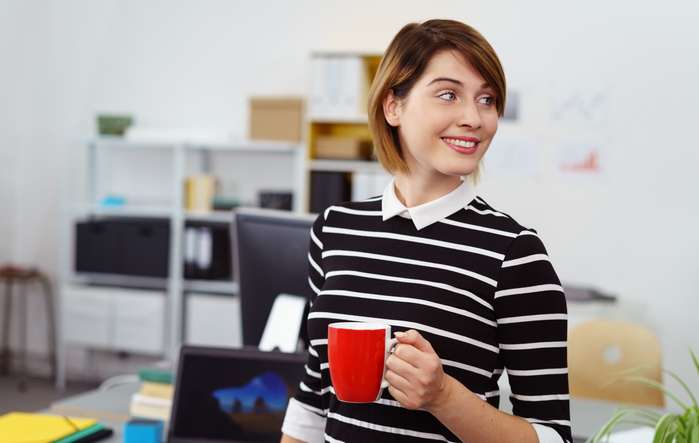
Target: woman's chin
(458, 170)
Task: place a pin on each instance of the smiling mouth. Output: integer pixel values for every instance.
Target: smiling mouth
(461, 146)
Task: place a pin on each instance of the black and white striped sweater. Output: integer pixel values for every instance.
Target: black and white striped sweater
(475, 283)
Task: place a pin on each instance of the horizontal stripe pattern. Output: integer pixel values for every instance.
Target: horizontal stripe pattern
(413, 281)
(387, 429)
(383, 257)
(478, 286)
(528, 290)
(413, 239)
(525, 260)
(397, 299)
(404, 325)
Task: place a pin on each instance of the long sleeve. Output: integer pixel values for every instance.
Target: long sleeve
(306, 414)
(531, 316)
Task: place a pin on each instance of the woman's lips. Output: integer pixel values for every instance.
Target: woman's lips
(461, 149)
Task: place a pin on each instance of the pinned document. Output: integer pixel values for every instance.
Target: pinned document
(284, 324)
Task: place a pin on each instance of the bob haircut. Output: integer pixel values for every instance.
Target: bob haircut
(405, 61)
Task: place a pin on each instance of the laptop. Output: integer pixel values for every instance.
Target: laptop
(232, 395)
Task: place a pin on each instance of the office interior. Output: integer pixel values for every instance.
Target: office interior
(133, 132)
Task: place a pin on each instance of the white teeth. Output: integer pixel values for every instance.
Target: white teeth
(462, 143)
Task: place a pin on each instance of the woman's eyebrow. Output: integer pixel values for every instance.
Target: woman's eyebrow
(456, 82)
(445, 79)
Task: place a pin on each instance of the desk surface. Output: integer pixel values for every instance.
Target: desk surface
(111, 407)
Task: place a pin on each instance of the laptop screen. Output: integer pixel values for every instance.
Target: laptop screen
(237, 395)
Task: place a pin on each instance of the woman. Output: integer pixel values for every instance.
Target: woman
(469, 290)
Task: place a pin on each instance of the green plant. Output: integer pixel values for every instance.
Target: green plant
(669, 428)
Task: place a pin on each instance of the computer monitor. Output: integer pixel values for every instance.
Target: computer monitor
(270, 257)
(232, 395)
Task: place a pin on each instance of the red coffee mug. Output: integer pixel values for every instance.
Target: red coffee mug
(357, 355)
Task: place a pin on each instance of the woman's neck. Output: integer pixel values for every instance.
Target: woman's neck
(413, 190)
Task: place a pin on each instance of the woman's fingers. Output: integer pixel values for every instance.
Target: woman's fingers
(409, 354)
(401, 367)
(398, 381)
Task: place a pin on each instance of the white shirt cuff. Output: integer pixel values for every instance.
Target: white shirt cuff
(547, 434)
(302, 424)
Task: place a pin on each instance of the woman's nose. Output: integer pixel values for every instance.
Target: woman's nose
(470, 116)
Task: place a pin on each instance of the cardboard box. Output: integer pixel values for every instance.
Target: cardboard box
(343, 148)
(276, 119)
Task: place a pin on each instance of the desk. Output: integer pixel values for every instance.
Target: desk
(111, 407)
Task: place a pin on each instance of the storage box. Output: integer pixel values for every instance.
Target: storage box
(344, 148)
(276, 119)
(127, 246)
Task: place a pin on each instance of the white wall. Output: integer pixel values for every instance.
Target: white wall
(631, 231)
(8, 137)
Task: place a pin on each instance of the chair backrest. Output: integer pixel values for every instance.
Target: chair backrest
(598, 350)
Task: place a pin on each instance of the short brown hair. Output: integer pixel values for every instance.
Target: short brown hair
(404, 62)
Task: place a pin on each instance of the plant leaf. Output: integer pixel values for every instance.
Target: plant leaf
(663, 427)
(695, 360)
(656, 385)
(694, 435)
(609, 426)
(684, 385)
(652, 415)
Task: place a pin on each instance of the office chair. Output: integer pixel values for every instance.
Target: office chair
(598, 350)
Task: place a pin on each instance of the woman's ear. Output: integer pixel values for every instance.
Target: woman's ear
(391, 107)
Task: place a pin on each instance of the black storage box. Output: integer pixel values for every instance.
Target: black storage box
(128, 246)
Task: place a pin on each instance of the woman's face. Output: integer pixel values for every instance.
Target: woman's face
(447, 120)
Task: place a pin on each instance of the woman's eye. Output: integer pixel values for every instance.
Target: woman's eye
(450, 96)
(487, 100)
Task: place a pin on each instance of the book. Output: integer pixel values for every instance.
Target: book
(199, 193)
(87, 434)
(20, 427)
(158, 390)
(138, 408)
(152, 401)
(156, 375)
(98, 435)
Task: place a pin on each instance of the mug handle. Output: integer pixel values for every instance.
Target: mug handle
(391, 347)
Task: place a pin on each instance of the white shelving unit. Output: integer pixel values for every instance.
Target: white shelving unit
(355, 166)
(83, 306)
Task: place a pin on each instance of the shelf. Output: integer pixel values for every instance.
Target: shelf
(152, 211)
(211, 286)
(213, 216)
(114, 141)
(357, 120)
(126, 281)
(250, 146)
(124, 211)
(345, 166)
(155, 283)
(244, 146)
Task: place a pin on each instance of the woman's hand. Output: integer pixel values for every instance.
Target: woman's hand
(414, 373)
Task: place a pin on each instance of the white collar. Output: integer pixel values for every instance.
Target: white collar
(427, 213)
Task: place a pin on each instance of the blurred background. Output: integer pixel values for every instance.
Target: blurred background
(211, 104)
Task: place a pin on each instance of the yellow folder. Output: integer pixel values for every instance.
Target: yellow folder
(21, 427)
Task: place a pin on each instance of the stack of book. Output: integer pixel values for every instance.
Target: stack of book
(21, 427)
(154, 399)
